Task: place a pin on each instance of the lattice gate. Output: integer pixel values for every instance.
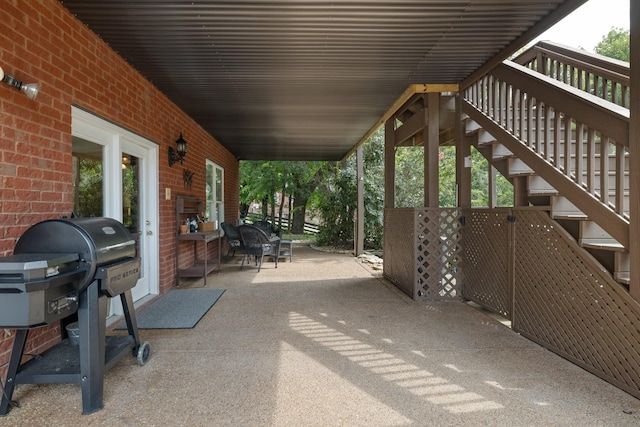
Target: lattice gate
(487, 258)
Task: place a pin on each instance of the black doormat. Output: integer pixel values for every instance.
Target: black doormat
(177, 309)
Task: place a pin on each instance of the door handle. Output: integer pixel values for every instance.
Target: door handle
(149, 233)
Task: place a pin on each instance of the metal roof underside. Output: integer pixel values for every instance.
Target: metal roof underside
(306, 79)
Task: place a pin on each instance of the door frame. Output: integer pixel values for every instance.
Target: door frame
(113, 138)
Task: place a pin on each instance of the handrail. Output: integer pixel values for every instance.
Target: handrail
(604, 116)
(604, 77)
(574, 140)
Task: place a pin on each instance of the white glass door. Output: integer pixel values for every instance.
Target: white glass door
(129, 165)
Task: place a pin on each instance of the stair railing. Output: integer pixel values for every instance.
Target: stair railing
(604, 77)
(576, 141)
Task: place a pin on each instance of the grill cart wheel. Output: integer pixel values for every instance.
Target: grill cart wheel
(144, 351)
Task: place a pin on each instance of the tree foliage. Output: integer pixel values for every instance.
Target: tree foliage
(337, 198)
(615, 44)
(336, 205)
(265, 181)
(410, 179)
(89, 188)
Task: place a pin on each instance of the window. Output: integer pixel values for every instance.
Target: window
(87, 178)
(215, 193)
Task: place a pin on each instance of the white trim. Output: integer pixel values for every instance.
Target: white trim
(217, 202)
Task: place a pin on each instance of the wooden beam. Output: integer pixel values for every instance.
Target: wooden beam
(399, 102)
(410, 128)
(493, 197)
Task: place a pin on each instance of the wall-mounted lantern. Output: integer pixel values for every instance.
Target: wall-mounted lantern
(180, 151)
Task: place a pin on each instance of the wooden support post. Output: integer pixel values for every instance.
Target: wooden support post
(520, 191)
(634, 151)
(359, 237)
(463, 151)
(493, 198)
(431, 148)
(389, 164)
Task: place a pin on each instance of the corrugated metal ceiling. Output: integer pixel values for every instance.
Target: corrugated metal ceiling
(306, 79)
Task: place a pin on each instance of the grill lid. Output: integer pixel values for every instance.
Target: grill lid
(97, 241)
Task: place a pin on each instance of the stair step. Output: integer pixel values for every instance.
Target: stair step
(485, 137)
(471, 126)
(537, 186)
(562, 208)
(623, 278)
(517, 167)
(612, 246)
(499, 151)
(594, 236)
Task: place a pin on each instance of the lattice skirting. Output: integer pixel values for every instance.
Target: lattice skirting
(521, 264)
(565, 301)
(422, 251)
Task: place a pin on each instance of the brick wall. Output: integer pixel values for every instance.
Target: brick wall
(40, 41)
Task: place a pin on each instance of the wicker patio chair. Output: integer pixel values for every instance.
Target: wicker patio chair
(268, 228)
(257, 243)
(233, 238)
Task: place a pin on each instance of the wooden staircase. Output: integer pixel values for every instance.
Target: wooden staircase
(591, 236)
(558, 125)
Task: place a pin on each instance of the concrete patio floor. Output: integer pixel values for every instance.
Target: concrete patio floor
(325, 341)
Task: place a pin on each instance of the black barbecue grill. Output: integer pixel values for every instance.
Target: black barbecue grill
(61, 267)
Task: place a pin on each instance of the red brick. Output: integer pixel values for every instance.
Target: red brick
(42, 41)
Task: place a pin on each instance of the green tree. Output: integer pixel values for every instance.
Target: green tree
(409, 180)
(292, 181)
(336, 197)
(261, 181)
(89, 188)
(302, 180)
(336, 205)
(615, 44)
(373, 177)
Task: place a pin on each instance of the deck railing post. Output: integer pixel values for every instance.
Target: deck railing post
(634, 153)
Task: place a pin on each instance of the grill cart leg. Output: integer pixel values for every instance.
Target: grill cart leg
(141, 350)
(14, 362)
(130, 316)
(92, 313)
